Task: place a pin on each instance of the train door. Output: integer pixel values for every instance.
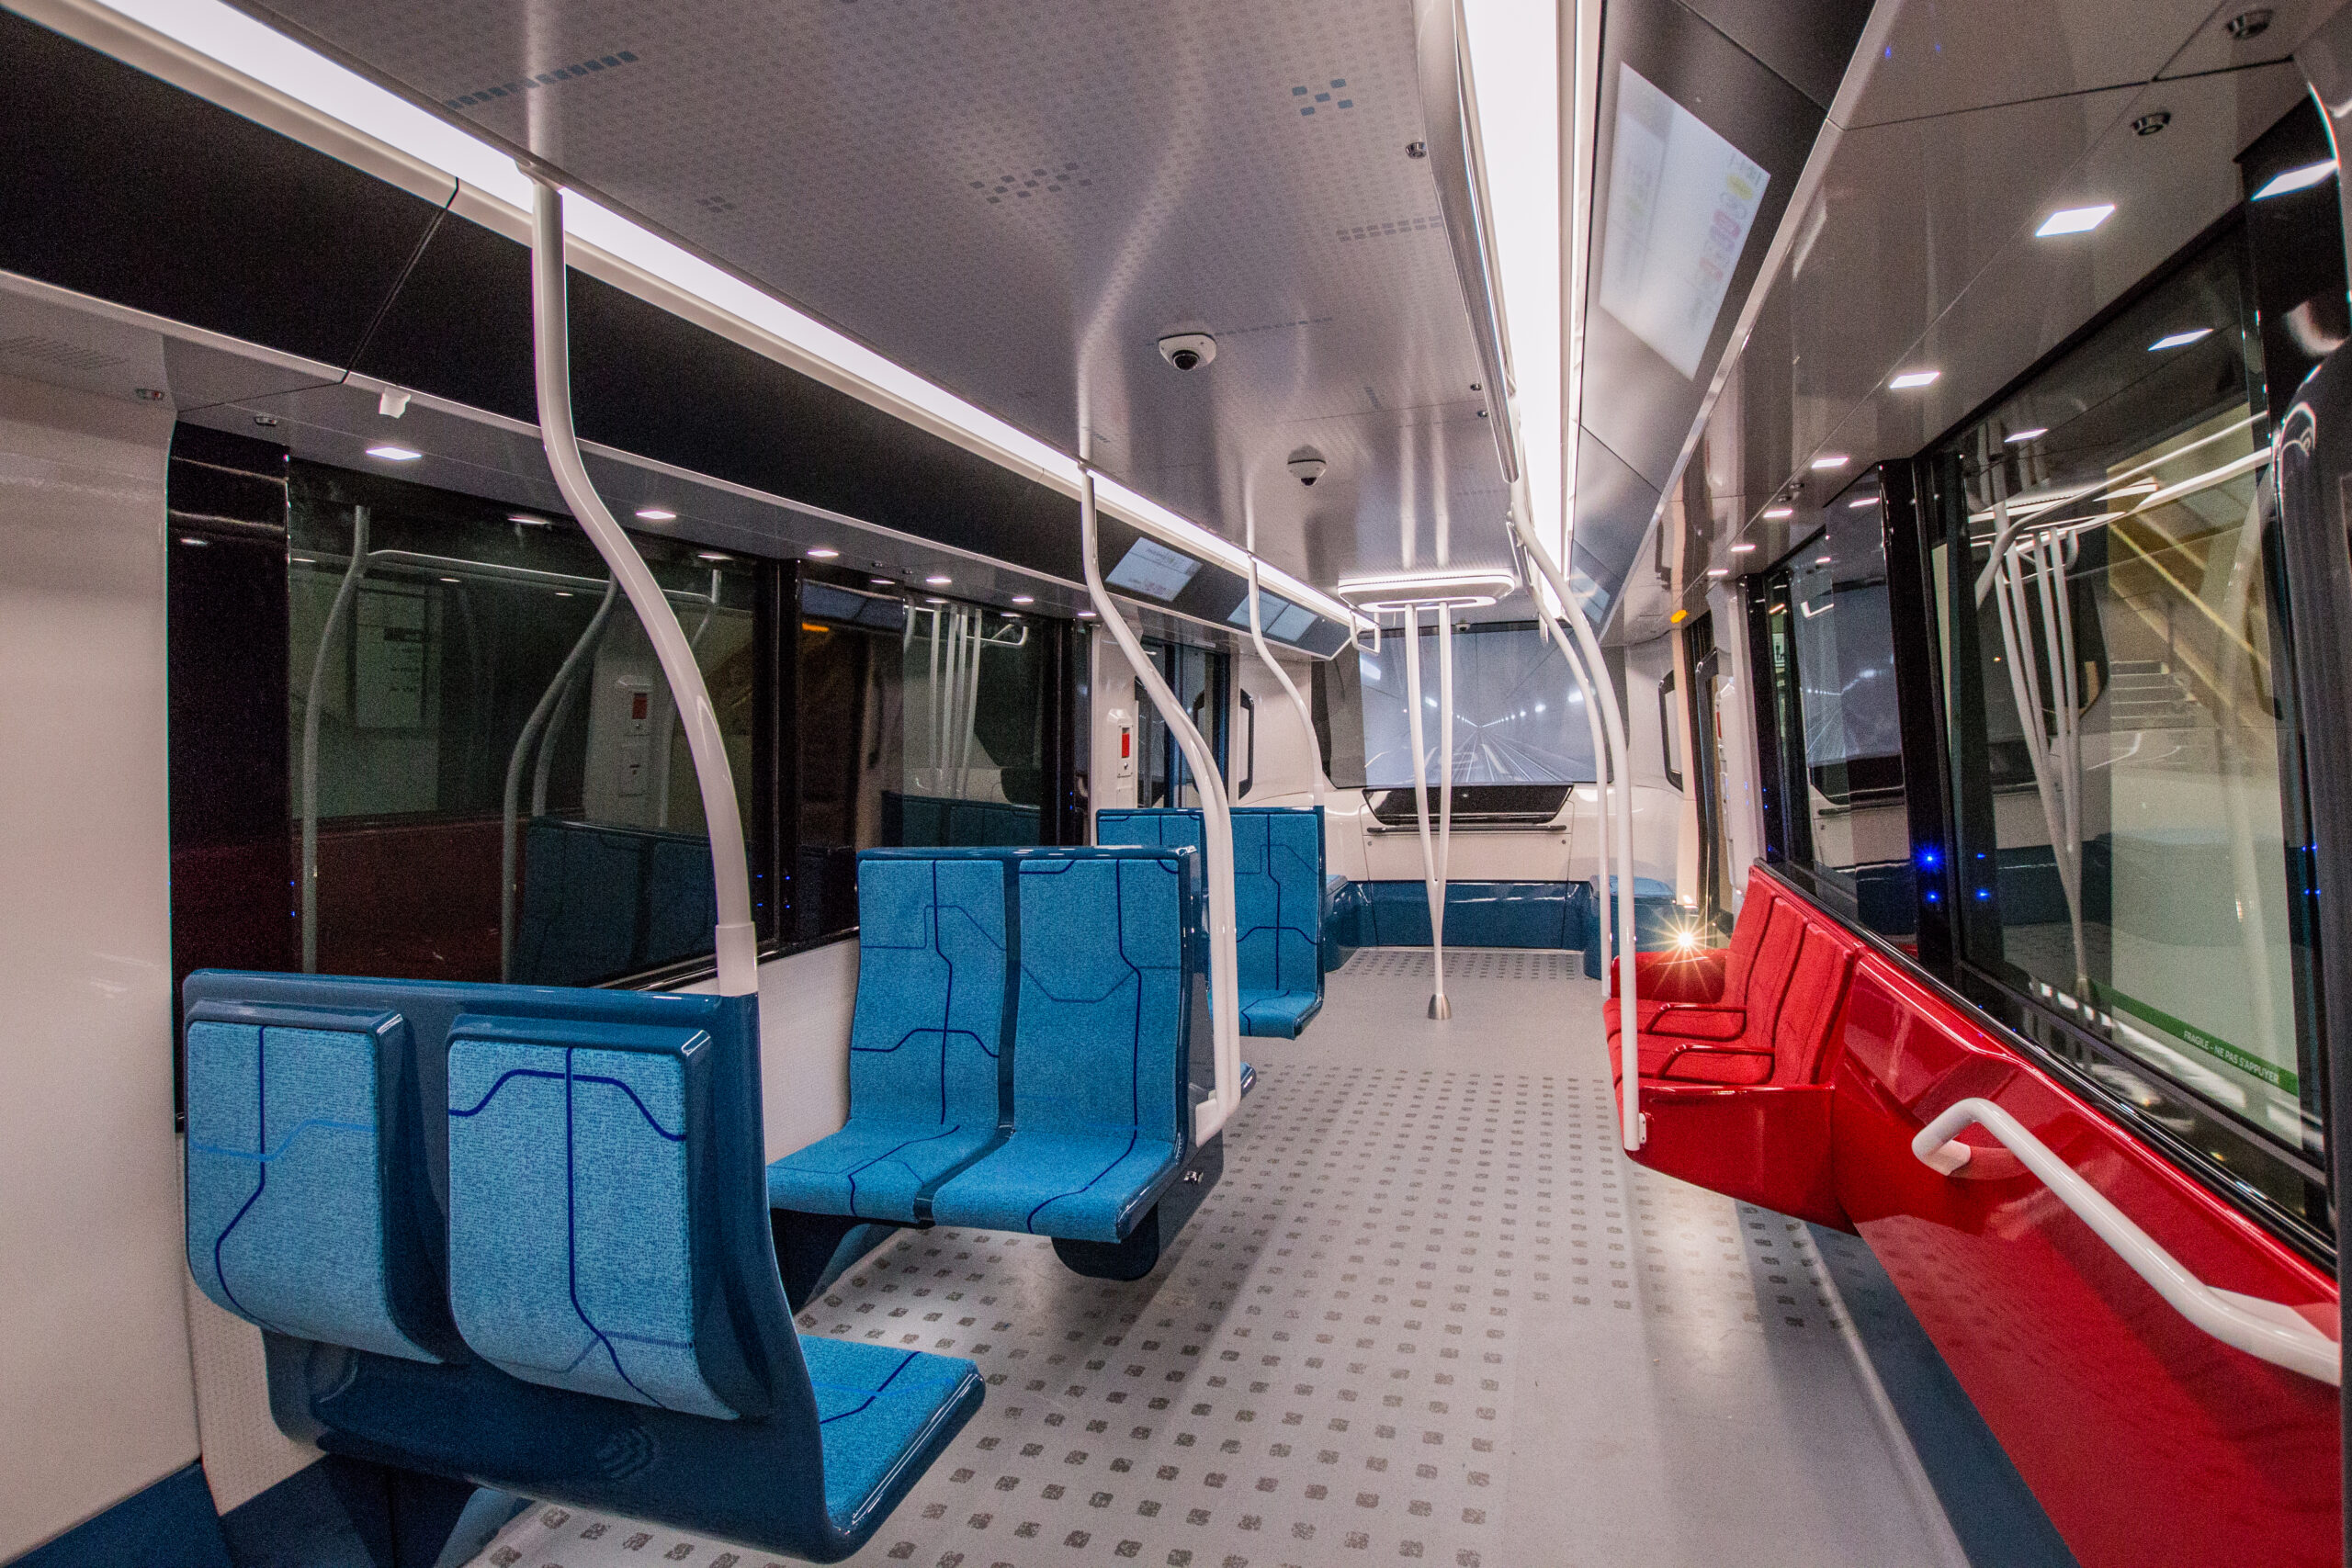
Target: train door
(1201, 679)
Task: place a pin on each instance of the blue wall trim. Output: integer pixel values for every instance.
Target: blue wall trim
(168, 1525)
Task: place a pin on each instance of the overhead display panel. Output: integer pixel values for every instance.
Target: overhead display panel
(1153, 571)
(1277, 616)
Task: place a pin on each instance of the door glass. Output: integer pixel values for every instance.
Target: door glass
(2120, 697)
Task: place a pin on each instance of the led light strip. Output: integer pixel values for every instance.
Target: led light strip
(397, 130)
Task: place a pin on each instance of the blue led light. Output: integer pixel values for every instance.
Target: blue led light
(1983, 894)
(1930, 858)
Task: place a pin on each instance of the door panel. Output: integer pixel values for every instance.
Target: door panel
(2147, 1441)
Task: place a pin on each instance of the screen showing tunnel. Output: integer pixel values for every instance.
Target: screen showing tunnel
(1518, 719)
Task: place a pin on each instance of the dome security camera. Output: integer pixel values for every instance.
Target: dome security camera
(1187, 351)
(1306, 466)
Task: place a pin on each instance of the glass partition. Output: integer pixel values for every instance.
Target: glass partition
(464, 699)
(2120, 722)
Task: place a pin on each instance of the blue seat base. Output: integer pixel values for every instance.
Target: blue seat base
(1280, 1015)
(876, 1169)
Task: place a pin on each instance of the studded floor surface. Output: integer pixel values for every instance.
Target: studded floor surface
(1416, 1323)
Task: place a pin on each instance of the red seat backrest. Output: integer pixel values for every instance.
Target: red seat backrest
(1816, 986)
(1746, 937)
(1766, 977)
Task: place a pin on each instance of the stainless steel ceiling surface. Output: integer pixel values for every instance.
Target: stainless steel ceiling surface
(1019, 201)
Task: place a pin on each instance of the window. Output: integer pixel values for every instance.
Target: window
(1518, 716)
(468, 695)
(1836, 723)
(921, 725)
(2119, 697)
(1200, 680)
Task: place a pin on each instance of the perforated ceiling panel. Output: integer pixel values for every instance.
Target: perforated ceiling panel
(1020, 201)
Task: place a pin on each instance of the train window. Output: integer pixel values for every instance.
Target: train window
(1200, 678)
(921, 726)
(1516, 719)
(1835, 719)
(2118, 702)
(463, 698)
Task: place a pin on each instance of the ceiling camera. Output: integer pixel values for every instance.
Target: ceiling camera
(1187, 351)
(1306, 465)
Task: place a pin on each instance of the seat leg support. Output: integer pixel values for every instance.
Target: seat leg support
(814, 1250)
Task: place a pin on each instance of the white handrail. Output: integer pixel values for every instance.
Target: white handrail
(1216, 831)
(1298, 703)
(1431, 885)
(1439, 1006)
(1596, 689)
(736, 940)
(2271, 1330)
(356, 569)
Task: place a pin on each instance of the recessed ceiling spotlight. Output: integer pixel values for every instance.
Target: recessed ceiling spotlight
(530, 521)
(656, 514)
(201, 544)
(822, 552)
(1859, 502)
(934, 600)
(1911, 379)
(1719, 571)
(712, 555)
(883, 581)
(1744, 548)
(1023, 599)
(1831, 460)
(2179, 340)
(394, 454)
(938, 579)
(448, 579)
(2015, 436)
(1012, 614)
(2294, 180)
(1780, 513)
(1821, 561)
(1086, 614)
(2075, 221)
(2152, 122)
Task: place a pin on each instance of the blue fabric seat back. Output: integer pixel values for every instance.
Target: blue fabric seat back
(303, 1139)
(1104, 1012)
(1277, 884)
(928, 1032)
(573, 1253)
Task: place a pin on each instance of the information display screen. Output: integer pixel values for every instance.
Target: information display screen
(1153, 571)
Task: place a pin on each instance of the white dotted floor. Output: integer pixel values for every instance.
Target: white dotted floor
(1415, 1323)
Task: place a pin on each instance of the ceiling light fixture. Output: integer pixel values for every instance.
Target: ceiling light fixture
(1780, 513)
(2294, 180)
(822, 552)
(201, 544)
(1086, 614)
(1831, 460)
(1911, 379)
(1745, 547)
(394, 454)
(883, 581)
(530, 521)
(1428, 590)
(938, 579)
(2035, 434)
(656, 514)
(1719, 571)
(2075, 221)
(712, 555)
(2179, 340)
(1024, 599)
(1859, 502)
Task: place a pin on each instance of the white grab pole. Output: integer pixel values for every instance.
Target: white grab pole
(736, 938)
(1439, 1006)
(1430, 882)
(1289, 687)
(1603, 926)
(1217, 829)
(343, 595)
(1633, 1133)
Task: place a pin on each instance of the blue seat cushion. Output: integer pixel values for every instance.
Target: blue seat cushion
(1281, 1014)
(1075, 1185)
(874, 1169)
(881, 1412)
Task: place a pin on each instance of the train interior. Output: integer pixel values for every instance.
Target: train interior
(1501, 783)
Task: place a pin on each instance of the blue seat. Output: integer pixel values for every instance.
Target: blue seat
(1279, 896)
(518, 1236)
(925, 1041)
(1101, 1099)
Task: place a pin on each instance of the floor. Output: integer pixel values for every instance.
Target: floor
(1431, 1314)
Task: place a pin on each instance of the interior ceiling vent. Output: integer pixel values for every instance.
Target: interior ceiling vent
(555, 77)
(1037, 182)
(1309, 99)
(1401, 225)
(55, 351)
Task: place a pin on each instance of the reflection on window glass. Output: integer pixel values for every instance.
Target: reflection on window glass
(1518, 718)
(1840, 738)
(921, 726)
(1198, 677)
(2118, 689)
(482, 701)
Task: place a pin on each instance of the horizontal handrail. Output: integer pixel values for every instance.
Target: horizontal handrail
(2271, 1330)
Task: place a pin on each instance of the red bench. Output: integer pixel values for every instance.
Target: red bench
(1736, 1054)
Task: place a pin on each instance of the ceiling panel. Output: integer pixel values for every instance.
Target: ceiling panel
(1939, 57)
(1019, 201)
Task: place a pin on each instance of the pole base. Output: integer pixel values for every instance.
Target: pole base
(1440, 1007)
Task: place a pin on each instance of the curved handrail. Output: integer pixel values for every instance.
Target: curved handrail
(736, 938)
(2271, 1330)
(1217, 829)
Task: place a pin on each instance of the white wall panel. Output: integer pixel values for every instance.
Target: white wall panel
(95, 1395)
(806, 1003)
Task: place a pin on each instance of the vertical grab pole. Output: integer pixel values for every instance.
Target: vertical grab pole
(1430, 882)
(1603, 924)
(1217, 829)
(1613, 724)
(736, 940)
(349, 586)
(1439, 1006)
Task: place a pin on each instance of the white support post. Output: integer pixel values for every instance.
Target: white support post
(736, 937)
(1439, 1006)
(1432, 884)
(1216, 831)
(1289, 687)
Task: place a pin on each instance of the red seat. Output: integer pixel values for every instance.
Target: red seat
(1756, 1012)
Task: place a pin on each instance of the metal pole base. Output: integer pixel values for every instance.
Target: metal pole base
(1440, 1007)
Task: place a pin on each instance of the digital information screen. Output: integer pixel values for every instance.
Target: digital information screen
(1153, 571)
(1277, 616)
